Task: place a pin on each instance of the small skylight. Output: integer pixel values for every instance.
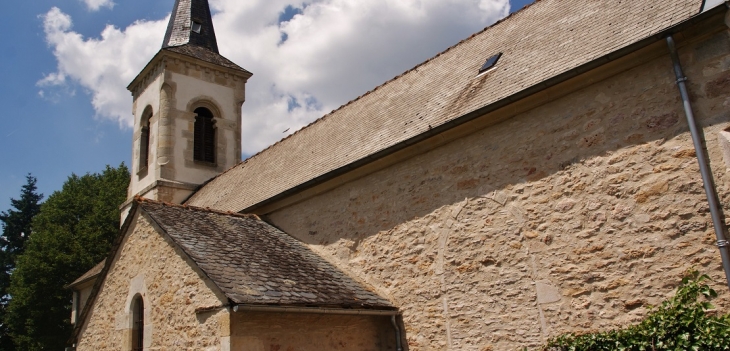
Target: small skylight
(491, 62)
(196, 27)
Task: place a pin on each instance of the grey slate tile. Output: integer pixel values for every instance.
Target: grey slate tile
(253, 262)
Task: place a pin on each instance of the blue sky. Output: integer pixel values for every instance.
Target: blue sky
(67, 130)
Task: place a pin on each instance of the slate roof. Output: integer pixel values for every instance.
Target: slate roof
(205, 55)
(91, 274)
(180, 37)
(254, 263)
(542, 41)
(179, 28)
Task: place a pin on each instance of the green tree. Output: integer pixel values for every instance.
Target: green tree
(73, 231)
(16, 227)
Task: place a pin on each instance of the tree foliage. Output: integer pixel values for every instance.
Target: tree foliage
(681, 323)
(17, 221)
(73, 231)
(16, 227)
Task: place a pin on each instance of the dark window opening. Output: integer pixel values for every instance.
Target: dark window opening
(490, 63)
(144, 140)
(196, 27)
(138, 324)
(204, 136)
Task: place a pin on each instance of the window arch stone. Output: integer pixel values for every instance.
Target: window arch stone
(126, 319)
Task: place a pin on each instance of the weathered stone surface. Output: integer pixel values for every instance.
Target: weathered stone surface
(597, 192)
(254, 331)
(172, 290)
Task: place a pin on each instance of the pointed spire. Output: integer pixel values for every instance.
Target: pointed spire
(191, 24)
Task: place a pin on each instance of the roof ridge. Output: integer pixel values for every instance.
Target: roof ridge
(90, 274)
(141, 200)
(369, 92)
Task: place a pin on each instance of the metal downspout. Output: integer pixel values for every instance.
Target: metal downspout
(709, 184)
(398, 343)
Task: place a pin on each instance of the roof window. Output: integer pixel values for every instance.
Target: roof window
(196, 27)
(491, 62)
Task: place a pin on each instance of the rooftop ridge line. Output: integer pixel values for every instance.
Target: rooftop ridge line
(374, 90)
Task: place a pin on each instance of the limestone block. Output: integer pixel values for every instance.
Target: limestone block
(225, 325)
(723, 138)
(547, 293)
(122, 322)
(226, 342)
(149, 330)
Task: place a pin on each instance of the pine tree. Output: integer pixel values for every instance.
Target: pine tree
(73, 232)
(16, 226)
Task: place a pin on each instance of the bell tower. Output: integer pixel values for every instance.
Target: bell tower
(187, 110)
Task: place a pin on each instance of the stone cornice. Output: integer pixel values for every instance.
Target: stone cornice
(159, 183)
(158, 63)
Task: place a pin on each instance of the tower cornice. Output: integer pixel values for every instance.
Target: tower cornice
(158, 63)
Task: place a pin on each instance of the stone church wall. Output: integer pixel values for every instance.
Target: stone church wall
(257, 331)
(578, 214)
(172, 291)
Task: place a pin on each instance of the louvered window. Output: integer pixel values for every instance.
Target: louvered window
(204, 138)
(144, 139)
(144, 147)
(138, 324)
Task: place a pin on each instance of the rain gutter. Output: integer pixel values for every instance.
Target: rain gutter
(705, 170)
(316, 310)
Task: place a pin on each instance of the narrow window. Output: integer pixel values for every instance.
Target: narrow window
(204, 136)
(144, 139)
(138, 324)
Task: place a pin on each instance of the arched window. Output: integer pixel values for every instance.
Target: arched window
(144, 139)
(204, 136)
(138, 324)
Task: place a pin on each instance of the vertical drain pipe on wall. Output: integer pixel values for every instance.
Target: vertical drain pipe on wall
(398, 342)
(717, 221)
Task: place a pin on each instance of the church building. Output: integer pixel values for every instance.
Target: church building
(556, 172)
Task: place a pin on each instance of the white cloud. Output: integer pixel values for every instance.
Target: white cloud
(334, 51)
(53, 79)
(103, 66)
(95, 5)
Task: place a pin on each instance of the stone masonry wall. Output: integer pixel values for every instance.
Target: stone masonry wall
(149, 265)
(257, 331)
(576, 215)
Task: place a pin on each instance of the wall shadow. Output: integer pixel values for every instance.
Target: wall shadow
(640, 108)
